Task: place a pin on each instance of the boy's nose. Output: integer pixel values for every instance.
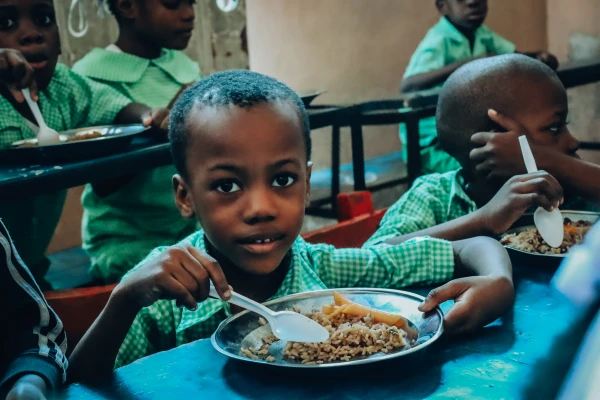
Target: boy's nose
(29, 35)
(259, 207)
(573, 144)
(188, 13)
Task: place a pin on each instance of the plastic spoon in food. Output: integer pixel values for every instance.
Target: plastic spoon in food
(286, 325)
(46, 135)
(549, 224)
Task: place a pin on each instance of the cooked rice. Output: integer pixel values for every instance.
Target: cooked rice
(349, 337)
(530, 240)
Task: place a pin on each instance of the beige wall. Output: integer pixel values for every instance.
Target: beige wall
(574, 33)
(358, 49)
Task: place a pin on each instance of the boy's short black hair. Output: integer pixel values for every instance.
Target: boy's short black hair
(476, 87)
(240, 88)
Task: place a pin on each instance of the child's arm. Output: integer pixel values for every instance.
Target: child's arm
(180, 273)
(36, 353)
(547, 58)
(478, 299)
(17, 74)
(498, 155)
(517, 195)
(430, 79)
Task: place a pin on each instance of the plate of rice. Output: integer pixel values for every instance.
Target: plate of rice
(365, 326)
(525, 238)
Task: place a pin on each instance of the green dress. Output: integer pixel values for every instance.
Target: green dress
(120, 229)
(444, 45)
(69, 102)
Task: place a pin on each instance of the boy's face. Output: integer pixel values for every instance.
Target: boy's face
(465, 14)
(542, 109)
(168, 23)
(248, 181)
(29, 26)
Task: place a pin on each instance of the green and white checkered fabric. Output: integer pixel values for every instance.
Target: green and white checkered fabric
(164, 326)
(432, 200)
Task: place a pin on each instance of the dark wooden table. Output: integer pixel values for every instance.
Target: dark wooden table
(493, 364)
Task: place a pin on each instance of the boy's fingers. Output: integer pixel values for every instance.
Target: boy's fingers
(198, 287)
(147, 119)
(507, 123)
(214, 271)
(17, 94)
(480, 139)
(179, 293)
(456, 319)
(437, 296)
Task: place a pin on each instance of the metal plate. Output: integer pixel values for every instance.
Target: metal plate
(113, 139)
(309, 96)
(244, 330)
(526, 222)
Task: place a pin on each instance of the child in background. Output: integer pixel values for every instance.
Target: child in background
(462, 203)
(123, 223)
(241, 144)
(458, 38)
(33, 346)
(29, 50)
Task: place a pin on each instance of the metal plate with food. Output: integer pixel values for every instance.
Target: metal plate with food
(525, 242)
(365, 325)
(308, 96)
(76, 144)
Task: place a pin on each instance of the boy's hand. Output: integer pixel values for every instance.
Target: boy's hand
(29, 387)
(179, 273)
(478, 301)
(498, 154)
(157, 118)
(548, 59)
(17, 74)
(519, 194)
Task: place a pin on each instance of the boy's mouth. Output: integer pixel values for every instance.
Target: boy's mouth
(185, 32)
(261, 243)
(37, 61)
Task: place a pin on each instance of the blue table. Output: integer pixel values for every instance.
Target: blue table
(495, 363)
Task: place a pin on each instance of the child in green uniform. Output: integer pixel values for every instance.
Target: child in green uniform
(121, 225)
(29, 50)
(463, 203)
(241, 144)
(458, 38)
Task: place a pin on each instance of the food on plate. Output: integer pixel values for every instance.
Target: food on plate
(84, 135)
(354, 330)
(530, 240)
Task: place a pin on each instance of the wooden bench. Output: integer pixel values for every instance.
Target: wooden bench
(78, 308)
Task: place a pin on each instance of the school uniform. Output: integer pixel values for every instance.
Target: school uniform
(120, 229)
(33, 338)
(433, 200)
(69, 102)
(444, 45)
(163, 325)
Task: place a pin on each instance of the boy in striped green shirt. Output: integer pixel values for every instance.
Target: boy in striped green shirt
(464, 203)
(241, 144)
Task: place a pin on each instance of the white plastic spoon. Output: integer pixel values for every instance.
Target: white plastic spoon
(46, 135)
(286, 325)
(549, 224)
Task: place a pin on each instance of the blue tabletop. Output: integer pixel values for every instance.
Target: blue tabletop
(495, 363)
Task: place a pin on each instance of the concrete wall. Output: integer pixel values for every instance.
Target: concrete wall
(217, 44)
(358, 49)
(574, 33)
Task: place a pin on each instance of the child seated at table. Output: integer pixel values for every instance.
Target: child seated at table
(241, 143)
(462, 203)
(458, 38)
(33, 346)
(29, 50)
(124, 222)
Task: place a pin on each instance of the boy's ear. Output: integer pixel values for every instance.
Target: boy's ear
(127, 9)
(308, 174)
(441, 6)
(182, 198)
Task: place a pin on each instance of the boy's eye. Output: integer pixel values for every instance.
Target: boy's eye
(44, 20)
(227, 187)
(6, 23)
(284, 181)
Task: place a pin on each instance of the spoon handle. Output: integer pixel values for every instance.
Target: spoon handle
(244, 302)
(527, 155)
(35, 109)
